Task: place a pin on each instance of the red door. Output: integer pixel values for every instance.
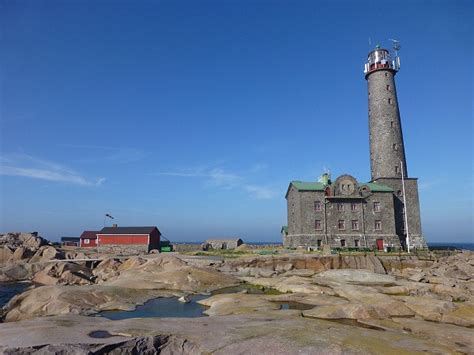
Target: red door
(380, 244)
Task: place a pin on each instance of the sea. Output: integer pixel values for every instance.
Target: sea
(464, 246)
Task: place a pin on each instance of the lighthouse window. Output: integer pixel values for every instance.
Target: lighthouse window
(317, 206)
(391, 124)
(341, 224)
(386, 74)
(355, 225)
(397, 169)
(390, 101)
(317, 225)
(395, 147)
(389, 88)
(376, 206)
(378, 225)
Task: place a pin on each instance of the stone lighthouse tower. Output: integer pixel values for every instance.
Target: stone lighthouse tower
(387, 151)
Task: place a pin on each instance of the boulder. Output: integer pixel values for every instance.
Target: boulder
(31, 240)
(161, 344)
(344, 311)
(428, 308)
(46, 253)
(21, 253)
(237, 303)
(53, 300)
(462, 315)
(6, 252)
(64, 273)
(363, 277)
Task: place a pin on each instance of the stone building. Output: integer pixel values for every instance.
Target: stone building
(382, 213)
(222, 243)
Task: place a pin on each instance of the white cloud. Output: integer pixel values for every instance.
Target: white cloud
(226, 180)
(28, 166)
(260, 192)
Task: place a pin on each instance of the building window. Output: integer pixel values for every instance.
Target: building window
(343, 243)
(389, 88)
(397, 169)
(376, 206)
(395, 146)
(356, 243)
(400, 193)
(354, 207)
(317, 225)
(319, 242)
(340, 206)
(378, 225)
(341, 224)
(87, 241)
(389, 100)
(391, 124)
(355, 225)
(317, 206)
(386, 74)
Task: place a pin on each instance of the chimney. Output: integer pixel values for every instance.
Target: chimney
(114, 225)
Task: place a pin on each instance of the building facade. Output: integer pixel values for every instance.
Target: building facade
(128, 240)
(382, 213)
(88, 239)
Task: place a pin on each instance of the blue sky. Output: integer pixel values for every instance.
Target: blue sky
(195, 115)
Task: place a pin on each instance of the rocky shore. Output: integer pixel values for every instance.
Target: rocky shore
(334, 304)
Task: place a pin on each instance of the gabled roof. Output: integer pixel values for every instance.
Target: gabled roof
(70, 239)
(377, 187)
(89, 235)
(318, 186)
(308, 186)
(128, 230)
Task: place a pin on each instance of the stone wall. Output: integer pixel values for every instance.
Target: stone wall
(413, 209)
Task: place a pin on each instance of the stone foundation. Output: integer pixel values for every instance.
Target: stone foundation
(364, 241)
(122, 249)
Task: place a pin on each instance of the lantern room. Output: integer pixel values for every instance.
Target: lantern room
(380, 59)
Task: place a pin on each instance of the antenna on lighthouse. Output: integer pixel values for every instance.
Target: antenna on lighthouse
(396, 47)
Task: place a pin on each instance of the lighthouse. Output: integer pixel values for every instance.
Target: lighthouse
(383, 213)
(387, 150)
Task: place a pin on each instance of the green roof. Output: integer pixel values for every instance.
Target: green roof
(308, 186)
(376, 187)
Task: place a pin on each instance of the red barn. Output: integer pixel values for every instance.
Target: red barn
(141, 239)
(88, 239)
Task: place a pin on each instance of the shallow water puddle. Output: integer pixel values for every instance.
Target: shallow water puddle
(247, 288)
(295, 305)
(163, 308)
(356, 323)
(100, 334)
(10, 289)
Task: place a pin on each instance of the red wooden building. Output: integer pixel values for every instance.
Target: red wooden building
(140, 238)
(88, 239)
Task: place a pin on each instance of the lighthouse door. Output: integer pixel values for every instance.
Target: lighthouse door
(379, 244)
